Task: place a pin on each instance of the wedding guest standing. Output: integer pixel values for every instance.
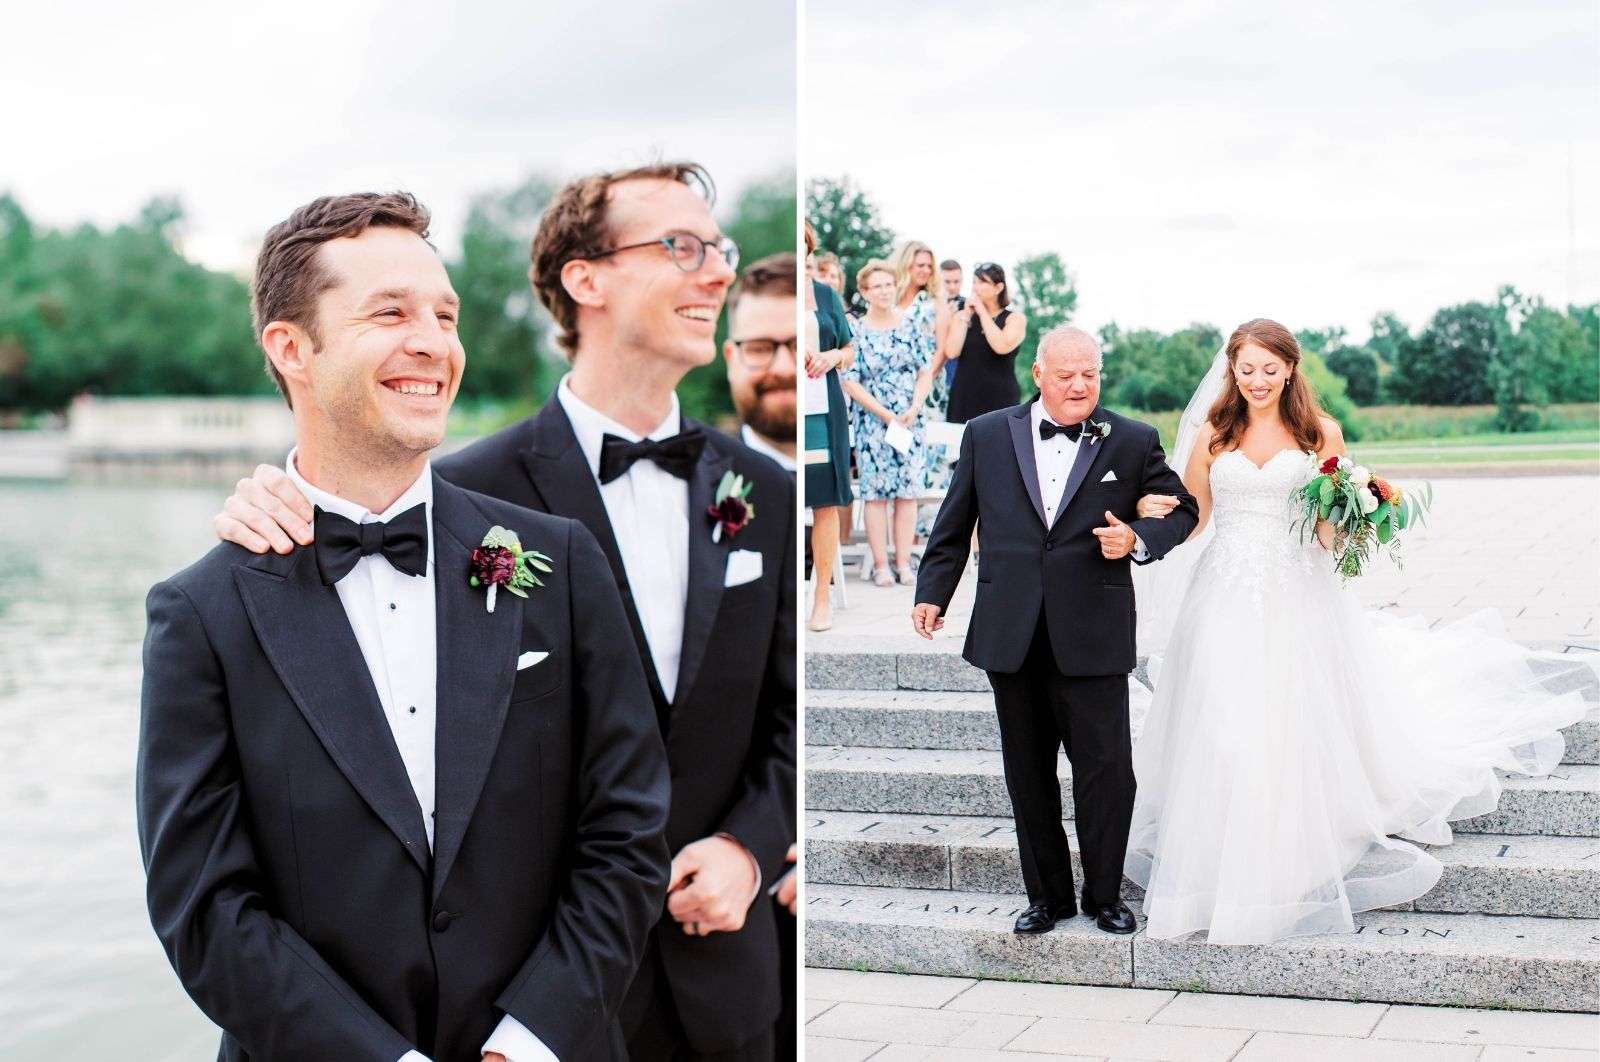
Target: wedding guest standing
(986, 371)
(889, 382)
(950, 282)
(827, 442)
(829, 271)
(918, 294)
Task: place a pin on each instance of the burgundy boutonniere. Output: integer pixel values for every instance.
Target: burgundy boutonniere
(732, 509)
(501, 561)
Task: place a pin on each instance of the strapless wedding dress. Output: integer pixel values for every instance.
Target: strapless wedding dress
(1296, 745)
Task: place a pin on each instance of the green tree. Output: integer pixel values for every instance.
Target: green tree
(503, 327)
(846, 222)
(1046, 291)
(1448, 363)
(1358, 367)
(1148, 371)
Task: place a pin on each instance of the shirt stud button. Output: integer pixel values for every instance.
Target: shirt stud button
(413, 709)
(391, 606)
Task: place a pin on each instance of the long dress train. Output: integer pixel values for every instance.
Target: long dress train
(1296, 745)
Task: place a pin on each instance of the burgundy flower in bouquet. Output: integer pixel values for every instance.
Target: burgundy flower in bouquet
(1367, 512)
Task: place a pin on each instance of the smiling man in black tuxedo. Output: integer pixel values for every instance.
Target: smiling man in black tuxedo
(634, 271)
(388, 813)
(1053, 619)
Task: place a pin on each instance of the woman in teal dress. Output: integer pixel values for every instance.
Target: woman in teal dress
(827, 436)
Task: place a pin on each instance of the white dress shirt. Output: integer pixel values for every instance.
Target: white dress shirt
(761, 446)
(648, 508)
(1053, 459)
(393, 617)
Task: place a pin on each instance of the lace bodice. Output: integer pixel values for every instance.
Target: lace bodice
(1256, 541)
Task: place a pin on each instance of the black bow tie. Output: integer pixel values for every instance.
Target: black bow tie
(1048, 428)
(677, 455)
(403, 542)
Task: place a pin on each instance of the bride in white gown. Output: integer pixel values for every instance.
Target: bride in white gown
(1296, 745)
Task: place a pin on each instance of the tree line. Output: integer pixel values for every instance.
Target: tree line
(1513, 351)
(122, 311)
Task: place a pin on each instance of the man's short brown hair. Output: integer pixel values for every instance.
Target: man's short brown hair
(290, 276)
(575, 226)
(776, 275)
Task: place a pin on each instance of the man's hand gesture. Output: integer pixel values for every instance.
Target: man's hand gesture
(1117, 540)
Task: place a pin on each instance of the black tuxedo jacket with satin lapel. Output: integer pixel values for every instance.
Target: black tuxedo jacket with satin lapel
(1024, 566)
(289, 873)
(730, 728)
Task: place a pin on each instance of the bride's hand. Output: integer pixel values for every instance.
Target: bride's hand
(1326, 535)
(1156, 505)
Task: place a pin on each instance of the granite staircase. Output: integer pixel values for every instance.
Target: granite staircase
(911, 865)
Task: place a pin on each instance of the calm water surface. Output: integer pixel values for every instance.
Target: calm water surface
(81, 972)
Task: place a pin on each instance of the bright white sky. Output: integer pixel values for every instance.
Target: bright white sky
(1313, 161)
(245, 111)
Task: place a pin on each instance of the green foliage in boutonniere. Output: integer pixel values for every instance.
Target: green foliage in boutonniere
(501, 561)
(732, 509)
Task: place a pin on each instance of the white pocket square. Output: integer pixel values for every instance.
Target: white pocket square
(744, 566)
(527, 660)
(1109, 477)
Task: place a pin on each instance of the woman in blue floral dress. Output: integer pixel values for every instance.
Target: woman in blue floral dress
(889, 383)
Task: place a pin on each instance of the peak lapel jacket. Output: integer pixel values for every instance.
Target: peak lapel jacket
(730, 728)
(1025, 567)
(289, 873)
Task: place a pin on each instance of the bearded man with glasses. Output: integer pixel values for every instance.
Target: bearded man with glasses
(699, 532)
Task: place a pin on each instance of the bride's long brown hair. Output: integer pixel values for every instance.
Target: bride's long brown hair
(1297, 408)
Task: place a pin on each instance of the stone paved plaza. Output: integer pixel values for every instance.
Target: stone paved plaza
(1527, 547)
(909, 1018)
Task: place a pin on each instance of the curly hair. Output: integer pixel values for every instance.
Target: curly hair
(575, 226)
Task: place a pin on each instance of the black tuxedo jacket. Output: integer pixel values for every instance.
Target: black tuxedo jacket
(730, 728)
(1024, 567)
(289, 873)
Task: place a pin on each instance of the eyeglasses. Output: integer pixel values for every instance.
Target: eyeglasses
(687, 250)
(759, 353)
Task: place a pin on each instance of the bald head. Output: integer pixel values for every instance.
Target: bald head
(1066, 369)
(1064, 340)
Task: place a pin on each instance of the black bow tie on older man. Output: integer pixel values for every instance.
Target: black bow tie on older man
(677, 455)
(1048, 428)
(341, 542)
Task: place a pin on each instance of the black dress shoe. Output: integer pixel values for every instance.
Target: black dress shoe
(1042, 918)
(1112, 917)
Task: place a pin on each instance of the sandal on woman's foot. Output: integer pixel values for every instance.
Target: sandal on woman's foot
(905, 577)
(881, 577)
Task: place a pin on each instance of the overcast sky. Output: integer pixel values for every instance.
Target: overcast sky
(245, 111)
(1314, 161)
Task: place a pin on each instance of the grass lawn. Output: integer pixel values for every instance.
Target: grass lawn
(1385, 457)
(1519, 439)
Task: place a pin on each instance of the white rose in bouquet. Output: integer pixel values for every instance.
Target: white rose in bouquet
(1360, 476)
(1369, 501)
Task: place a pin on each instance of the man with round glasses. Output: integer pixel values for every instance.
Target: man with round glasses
(761, 356)
(698, 530)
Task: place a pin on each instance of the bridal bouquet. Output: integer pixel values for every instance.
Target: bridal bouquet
(1367, 512)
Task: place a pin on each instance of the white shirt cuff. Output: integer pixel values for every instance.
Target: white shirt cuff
(512, 1039)
(1140, 553)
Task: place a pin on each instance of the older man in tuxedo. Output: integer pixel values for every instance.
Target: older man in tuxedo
(398, 796)
(1053, 619)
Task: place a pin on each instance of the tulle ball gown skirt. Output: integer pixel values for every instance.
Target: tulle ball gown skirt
(1296, 746)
